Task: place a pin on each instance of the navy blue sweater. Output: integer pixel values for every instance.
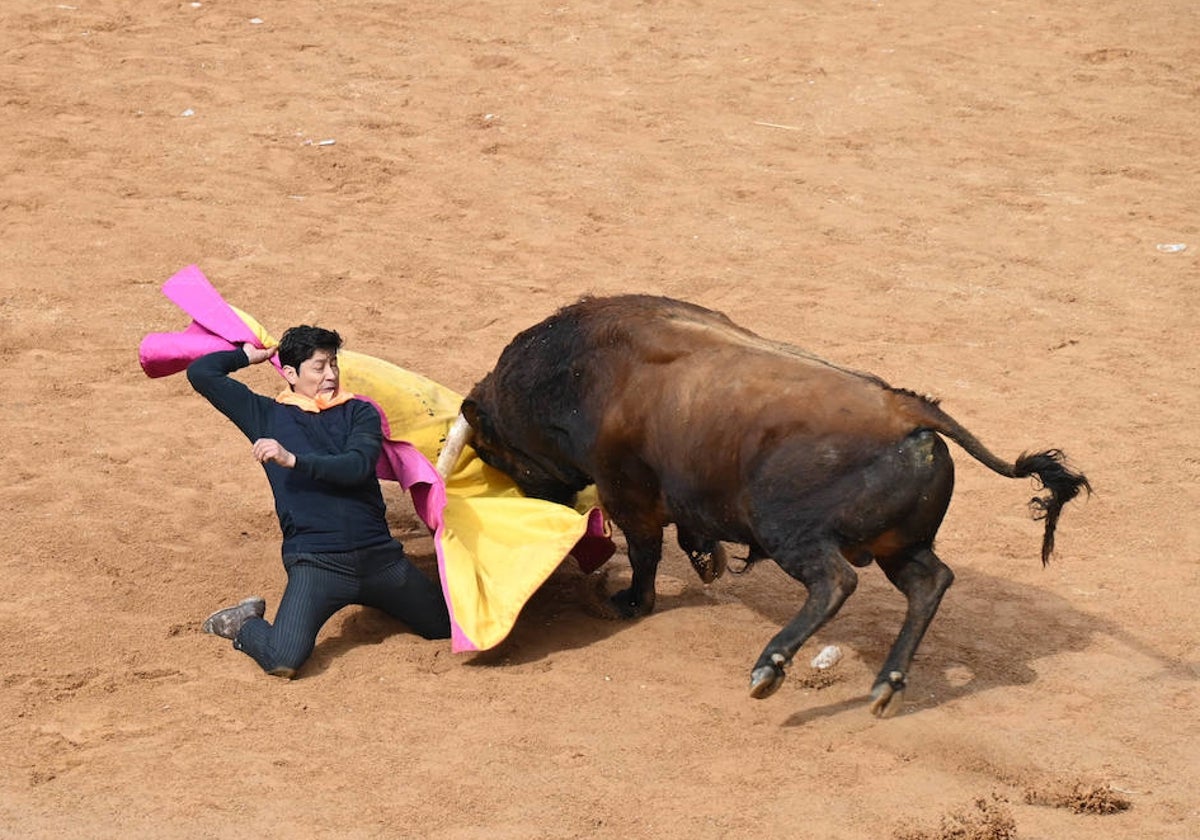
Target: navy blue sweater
(330, 501)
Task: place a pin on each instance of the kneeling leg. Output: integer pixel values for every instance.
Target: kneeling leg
(312, 595)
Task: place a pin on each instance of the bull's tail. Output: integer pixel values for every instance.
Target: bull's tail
(1048, 468)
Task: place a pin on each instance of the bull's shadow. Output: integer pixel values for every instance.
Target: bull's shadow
(987, 634)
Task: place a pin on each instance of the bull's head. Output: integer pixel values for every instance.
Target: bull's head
(538, 476)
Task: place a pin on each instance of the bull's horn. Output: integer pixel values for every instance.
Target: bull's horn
(456, 439)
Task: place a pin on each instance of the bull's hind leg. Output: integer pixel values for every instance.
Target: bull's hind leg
(830, 580)
(923, 579)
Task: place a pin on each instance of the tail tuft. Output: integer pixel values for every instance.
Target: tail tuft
(1050, 470)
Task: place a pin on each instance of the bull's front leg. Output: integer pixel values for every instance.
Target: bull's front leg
(645, 552)
(631, 494)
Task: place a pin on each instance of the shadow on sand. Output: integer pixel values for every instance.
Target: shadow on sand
(987, 634)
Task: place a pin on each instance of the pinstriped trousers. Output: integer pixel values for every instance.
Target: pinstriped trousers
(318, 585)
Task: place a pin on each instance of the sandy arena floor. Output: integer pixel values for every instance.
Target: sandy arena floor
(968, 199)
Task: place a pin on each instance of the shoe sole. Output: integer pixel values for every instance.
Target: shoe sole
(259, 605)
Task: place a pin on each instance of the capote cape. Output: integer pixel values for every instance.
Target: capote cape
(494, 546)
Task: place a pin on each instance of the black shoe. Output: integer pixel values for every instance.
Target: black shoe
(227, 622)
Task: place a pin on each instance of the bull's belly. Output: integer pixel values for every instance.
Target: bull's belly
(707, 521)
(839, 490)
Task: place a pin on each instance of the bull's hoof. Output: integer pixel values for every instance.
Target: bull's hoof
(766, 679)
(887, 697)
(594, 597)
(709, 564)
(619, 607)
(627, 607)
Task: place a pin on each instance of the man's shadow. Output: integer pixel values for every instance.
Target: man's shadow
(357, 626)
(561, 615)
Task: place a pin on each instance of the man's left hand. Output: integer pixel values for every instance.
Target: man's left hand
(269, 449)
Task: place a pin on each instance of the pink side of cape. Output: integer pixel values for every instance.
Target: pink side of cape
(190, 290)
(402, 462)
(215, 326)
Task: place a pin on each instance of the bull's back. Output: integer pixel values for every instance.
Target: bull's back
(655, 361)
(701, 400)
(725, 408)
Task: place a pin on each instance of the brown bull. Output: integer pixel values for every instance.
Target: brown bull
(678, 415)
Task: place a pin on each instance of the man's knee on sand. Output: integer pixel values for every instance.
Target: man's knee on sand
(255, 640)
(287, 668)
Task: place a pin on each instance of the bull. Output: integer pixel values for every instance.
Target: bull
(678, 415)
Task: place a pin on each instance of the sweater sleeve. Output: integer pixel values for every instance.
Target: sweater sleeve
(209, 375)
(357, 462)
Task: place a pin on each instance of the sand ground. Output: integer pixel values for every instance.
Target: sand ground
(967, 199)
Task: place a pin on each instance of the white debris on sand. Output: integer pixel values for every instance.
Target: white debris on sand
(829, 656)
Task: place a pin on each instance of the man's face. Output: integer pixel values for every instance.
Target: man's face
(318, 375)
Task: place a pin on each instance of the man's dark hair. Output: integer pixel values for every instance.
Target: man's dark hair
(299, 343)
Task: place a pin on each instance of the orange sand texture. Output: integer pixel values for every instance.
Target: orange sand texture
(965, 198)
